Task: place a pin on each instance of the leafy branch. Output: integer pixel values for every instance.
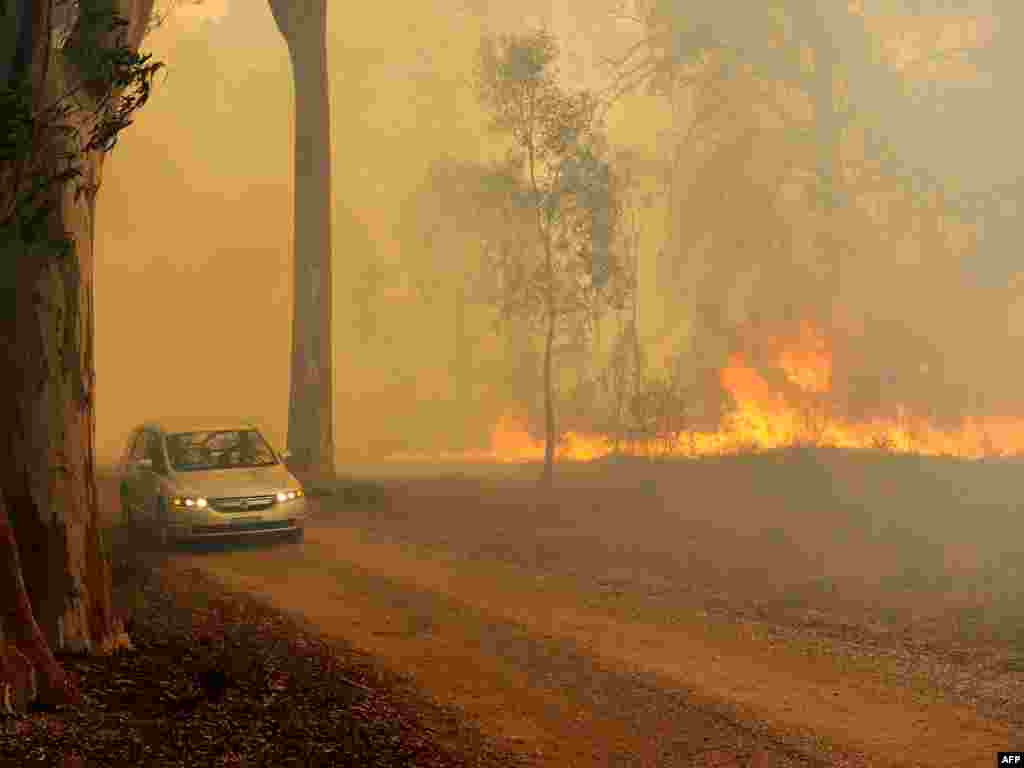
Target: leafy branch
(112, 81)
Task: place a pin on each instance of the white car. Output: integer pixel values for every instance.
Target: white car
(202, 482)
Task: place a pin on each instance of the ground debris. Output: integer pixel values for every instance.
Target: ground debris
(215, 679)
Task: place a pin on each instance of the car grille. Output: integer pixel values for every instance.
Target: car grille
(242, 527)
(242, 503)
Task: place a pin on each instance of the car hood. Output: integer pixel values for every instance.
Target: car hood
(220, 483)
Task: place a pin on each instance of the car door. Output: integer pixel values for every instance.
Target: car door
(151, 475)
(161, 469)
(131, 471)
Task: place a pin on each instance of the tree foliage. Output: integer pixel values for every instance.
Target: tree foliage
(108, 82)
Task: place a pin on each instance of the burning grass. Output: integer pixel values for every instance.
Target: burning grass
(782, 390)
(755, 427)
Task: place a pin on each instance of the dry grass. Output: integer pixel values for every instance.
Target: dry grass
(907, 539)
(913, 563)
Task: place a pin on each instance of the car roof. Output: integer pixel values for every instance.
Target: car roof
(176, 426)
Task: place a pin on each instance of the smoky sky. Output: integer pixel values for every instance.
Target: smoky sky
(194, 221)
(194, 226)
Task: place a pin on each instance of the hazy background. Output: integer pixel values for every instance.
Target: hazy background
(194, 232)
(194, 229)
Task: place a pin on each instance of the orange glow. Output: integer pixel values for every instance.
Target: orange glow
(512, 443)
(808, 363)
(764, 418)
(747, 384)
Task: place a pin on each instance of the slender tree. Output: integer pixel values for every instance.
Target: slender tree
(303, 25)
(558, 168)
(624, 369)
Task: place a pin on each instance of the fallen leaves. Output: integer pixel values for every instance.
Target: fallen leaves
(214, 679)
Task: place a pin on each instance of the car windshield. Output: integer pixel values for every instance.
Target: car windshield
(226, 449)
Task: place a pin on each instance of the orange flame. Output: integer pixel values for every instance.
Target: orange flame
(808, 362)
(765, 419)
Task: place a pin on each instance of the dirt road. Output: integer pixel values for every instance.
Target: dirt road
(590, 660)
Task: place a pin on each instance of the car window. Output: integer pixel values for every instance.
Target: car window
(155, 453)
(223, 449)
(138, 449)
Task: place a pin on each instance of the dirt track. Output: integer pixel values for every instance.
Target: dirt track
(584, 638)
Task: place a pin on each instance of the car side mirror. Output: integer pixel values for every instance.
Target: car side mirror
(144, 464)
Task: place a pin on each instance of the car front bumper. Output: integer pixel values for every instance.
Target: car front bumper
(282, 518)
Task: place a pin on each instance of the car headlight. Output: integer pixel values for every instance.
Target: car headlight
(289, 495)
(191, 502)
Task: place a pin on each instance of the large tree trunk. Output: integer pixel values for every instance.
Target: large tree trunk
(55, 582)
(310, 408)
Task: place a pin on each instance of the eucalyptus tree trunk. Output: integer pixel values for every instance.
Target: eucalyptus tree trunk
(55, 575)
(303, 24)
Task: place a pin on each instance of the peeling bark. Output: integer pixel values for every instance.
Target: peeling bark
(29, 644)
(55, 580)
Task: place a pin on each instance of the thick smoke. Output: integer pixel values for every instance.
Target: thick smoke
(196, 209)
(196, 206)
(910, 276)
